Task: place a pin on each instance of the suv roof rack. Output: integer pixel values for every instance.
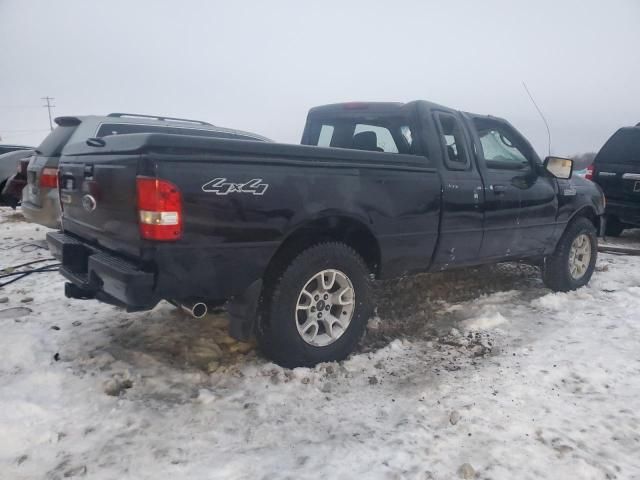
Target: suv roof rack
(164, 119)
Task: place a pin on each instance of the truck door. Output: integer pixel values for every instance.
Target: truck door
(521, 204)
(462, 195)
(502, 173)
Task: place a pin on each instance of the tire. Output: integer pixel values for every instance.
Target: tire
(283, 309)
(614, 227)
(557, 269)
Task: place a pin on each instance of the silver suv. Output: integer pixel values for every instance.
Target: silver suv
(40, 202)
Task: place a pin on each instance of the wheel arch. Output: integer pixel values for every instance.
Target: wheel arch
(329, 227)
(590, 213)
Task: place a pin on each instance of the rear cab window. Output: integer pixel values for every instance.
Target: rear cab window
(362, 130)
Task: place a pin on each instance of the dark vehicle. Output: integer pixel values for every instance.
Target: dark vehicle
(616, 169)
(40, 202)
(291, 235)
(10, 167)
(12, 148)
(13, 175)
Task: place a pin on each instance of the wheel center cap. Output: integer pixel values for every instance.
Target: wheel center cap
(320, 305)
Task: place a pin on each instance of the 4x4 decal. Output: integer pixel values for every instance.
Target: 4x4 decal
(220, 186)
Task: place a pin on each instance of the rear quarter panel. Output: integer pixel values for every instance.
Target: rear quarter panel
(230, 237)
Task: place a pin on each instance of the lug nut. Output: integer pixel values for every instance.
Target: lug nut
(327, 308)
(320, 315)
(316, 298)
(326, 297)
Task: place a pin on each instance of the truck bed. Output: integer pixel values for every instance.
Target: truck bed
(241, 200)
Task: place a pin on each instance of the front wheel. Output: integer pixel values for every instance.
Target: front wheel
(318, 309)
(572, 264)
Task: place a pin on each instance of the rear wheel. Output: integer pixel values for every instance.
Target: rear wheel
(318, 309)
(572, 264)
(614, 227)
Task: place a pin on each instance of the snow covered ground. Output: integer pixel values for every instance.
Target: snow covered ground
(480, 373)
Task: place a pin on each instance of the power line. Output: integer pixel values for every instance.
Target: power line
(20, 106)
(49, 107)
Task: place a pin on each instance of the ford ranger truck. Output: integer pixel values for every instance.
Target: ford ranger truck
(289, 237)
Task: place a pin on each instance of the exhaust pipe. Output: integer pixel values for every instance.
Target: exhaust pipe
(195, 309)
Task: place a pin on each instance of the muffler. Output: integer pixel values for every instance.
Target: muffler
(195, 309)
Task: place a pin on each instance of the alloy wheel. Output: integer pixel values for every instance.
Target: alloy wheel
(325, 307)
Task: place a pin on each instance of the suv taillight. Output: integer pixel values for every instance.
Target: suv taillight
(589, 174)
(49, 178)
(159, 209)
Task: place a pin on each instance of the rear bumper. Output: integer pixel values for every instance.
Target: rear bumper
(95, 273)
(627, 212)
(47, 214)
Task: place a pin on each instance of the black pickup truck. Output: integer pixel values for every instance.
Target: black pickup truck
(290, 236)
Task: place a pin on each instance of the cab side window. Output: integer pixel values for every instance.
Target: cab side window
(501, 148)
(456, 156)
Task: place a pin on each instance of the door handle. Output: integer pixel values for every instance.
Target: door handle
(498, 189)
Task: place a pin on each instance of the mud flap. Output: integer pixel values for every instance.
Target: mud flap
(243, 312)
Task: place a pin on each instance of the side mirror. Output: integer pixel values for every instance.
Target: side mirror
(559, 167)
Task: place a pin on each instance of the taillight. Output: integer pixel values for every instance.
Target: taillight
(159, 209)
(589, 174)
(49, 178)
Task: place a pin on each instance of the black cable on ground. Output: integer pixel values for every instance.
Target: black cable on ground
(47, 268)
(23, 274)
(26, 264)
(619, 250)
(33, 246)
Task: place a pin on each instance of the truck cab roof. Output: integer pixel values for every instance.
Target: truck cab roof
(386, 108)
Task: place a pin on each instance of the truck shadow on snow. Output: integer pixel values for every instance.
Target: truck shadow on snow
(415, 308)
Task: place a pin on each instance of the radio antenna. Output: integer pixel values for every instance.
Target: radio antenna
(541, 115)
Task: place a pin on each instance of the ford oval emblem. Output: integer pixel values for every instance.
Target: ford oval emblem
(89, 203)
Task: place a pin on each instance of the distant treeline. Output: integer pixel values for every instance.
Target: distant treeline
(583, 160)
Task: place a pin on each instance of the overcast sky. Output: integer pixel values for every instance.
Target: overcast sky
(260, 65)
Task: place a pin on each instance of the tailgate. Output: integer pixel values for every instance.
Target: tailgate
(98, 197)
(619, 181)
(617, 165)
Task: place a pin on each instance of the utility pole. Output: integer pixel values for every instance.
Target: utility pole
(49, 107)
